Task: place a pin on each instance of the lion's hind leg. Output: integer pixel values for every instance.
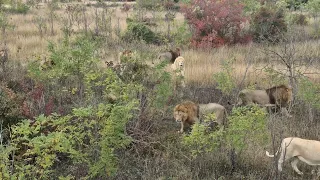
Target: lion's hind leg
(294, 165)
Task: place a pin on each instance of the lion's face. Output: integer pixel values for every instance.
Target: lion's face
(180, 63)
(180, 116)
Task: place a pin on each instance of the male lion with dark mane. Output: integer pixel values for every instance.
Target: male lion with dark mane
(170, 55)
(186, 113)
(278, 96)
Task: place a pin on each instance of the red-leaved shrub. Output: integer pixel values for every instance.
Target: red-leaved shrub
(215, 23)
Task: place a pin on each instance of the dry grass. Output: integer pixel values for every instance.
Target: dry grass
(24, 42)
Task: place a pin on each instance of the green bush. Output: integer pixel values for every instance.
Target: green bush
(225, 80)
(240, 121)
(20, 9)
(298, 19)
(149, 4)
(268, 25)
(139, 31)
(10, 107)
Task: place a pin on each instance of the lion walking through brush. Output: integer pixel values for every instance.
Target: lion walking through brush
(186, 113)
(278, 96)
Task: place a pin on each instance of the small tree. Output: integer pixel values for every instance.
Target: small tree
(215, 23)
(52, 5)
(313, 6)
(268, 25)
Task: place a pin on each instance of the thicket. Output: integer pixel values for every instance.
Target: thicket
(139, 31)
(269, 25)
(299, 19)
(216, 23)
(69, 120)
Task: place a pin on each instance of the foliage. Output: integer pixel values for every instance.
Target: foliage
(313, 6)
(10, 107)
(268, 25)
(294, 4)
(4, 21)
(215, 23)
(247, 125)
(163, 89)
(202, 140)
(154, 4)
(250, 6)
(309, 92)
(298, 19)
(275, 76)
(66, 78)
(21, 8)
(226, 82)
(139, 31)
(5, 150)
(183, 35)
(89, 135)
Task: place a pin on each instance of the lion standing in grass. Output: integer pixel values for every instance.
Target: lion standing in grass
(278, 96)
(186, 113)
(178, 75)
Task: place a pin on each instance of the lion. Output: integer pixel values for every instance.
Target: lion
(170, 55)
(300, 149)
(179, 68)
(278, 96)
(219, 111)
(186, 113)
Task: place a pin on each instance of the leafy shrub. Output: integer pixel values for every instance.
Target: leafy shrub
(171, 5)
(149, 4)
(299, 19)
(10, 107)
(240, 121)
(268, 25)
(20, 9)
(215, 23)
(139, 31)
(309, 92)
(200, 141)
(225, 81)
(183, 35)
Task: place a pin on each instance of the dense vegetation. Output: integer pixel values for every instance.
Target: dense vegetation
(65, 115)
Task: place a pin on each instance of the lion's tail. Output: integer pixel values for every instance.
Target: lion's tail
(269, 155)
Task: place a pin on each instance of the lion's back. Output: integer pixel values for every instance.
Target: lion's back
(254, 96)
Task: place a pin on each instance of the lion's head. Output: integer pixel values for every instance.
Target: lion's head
(180, 114)
(179, 63)
(186, 111)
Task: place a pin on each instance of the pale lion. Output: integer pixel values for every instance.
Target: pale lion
(219, 111)
(186, 113)
(179, 68)
(305, 150)
(279, 96)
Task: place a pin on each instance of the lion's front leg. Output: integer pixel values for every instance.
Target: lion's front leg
(182, 127)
